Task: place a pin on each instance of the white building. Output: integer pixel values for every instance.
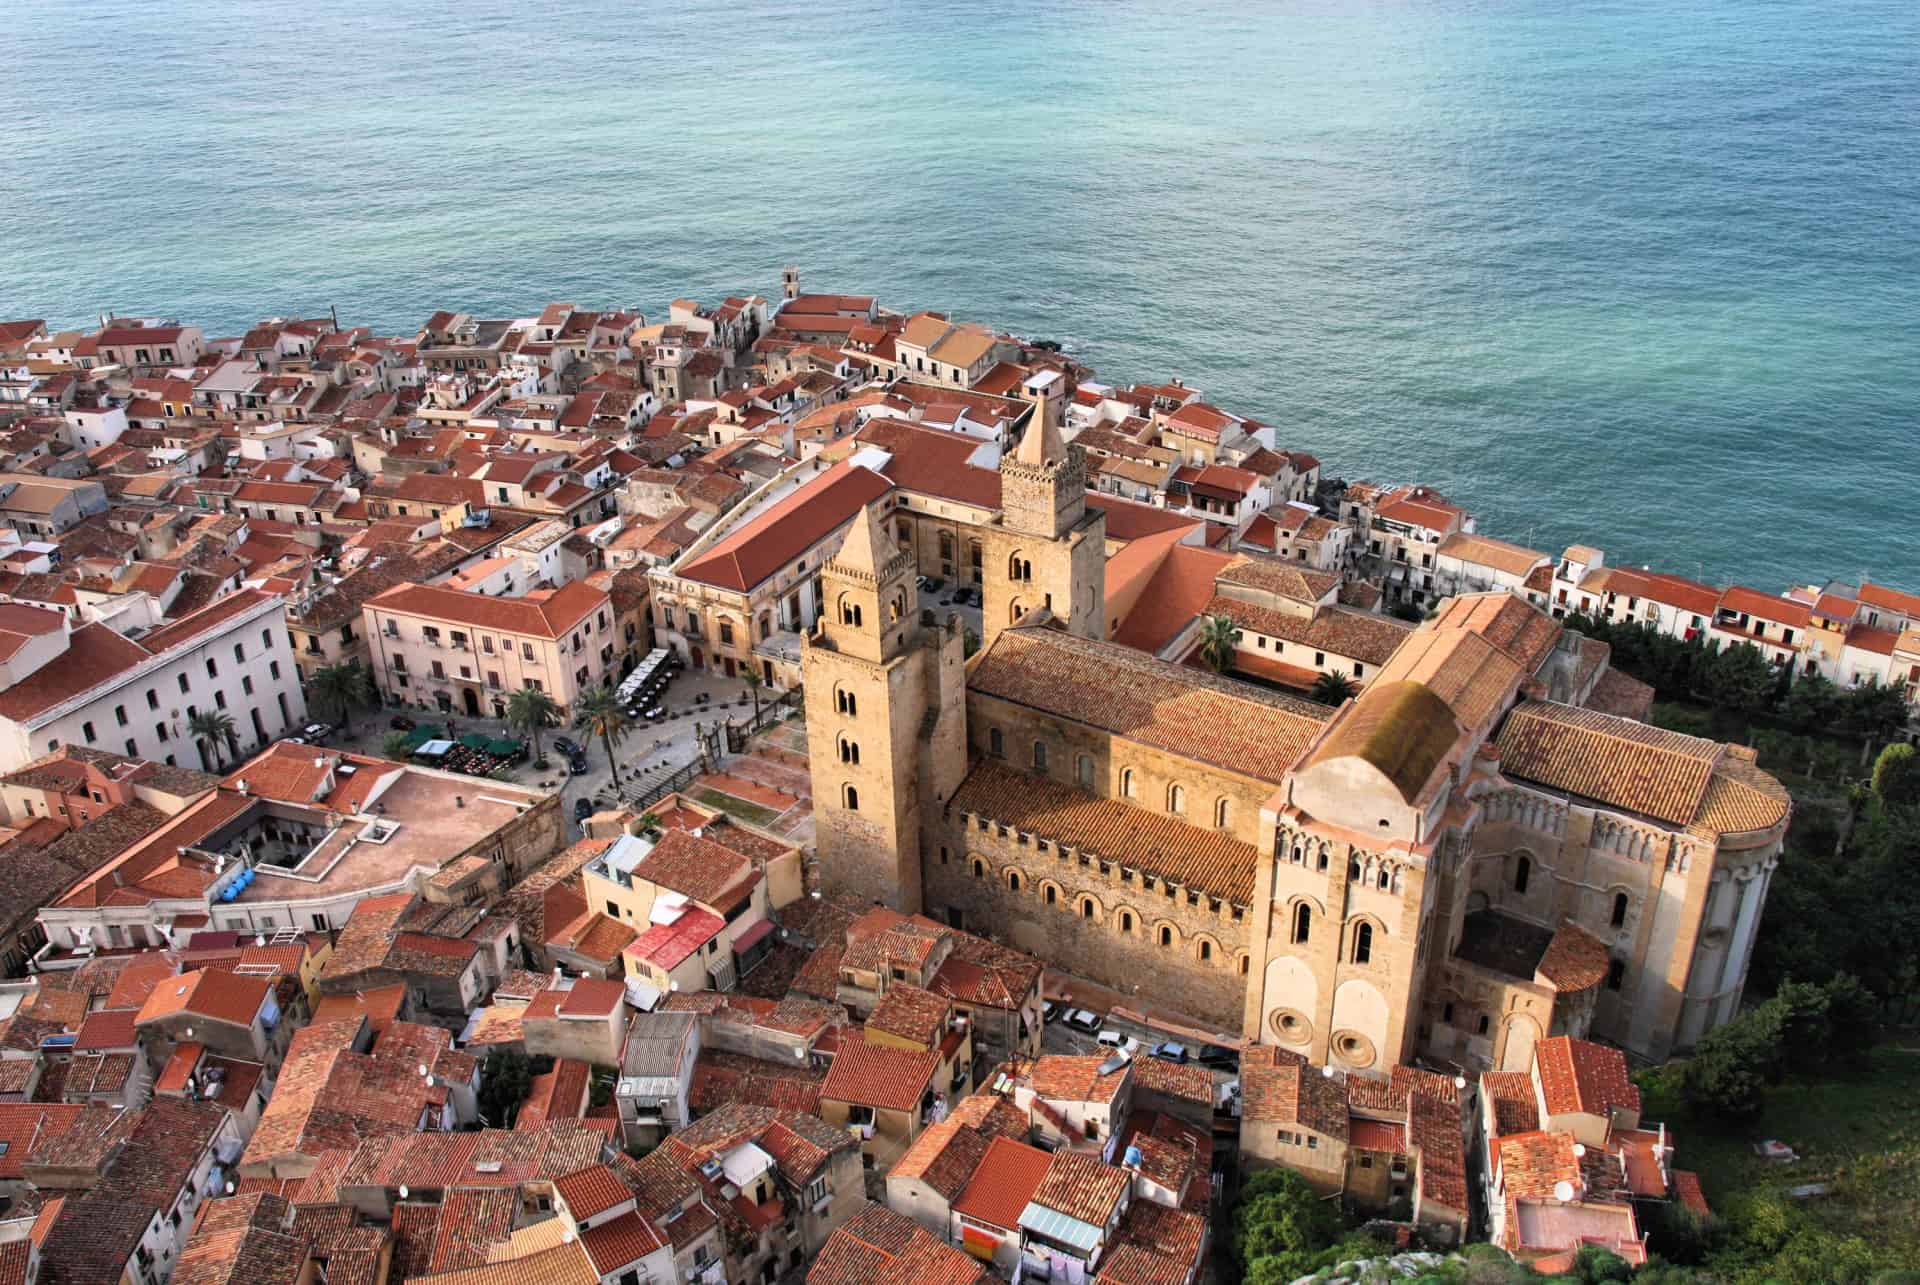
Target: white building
(62, 684)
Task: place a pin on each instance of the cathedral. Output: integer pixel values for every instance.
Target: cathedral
(1463, 859)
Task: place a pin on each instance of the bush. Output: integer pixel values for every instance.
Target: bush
(1896, 776)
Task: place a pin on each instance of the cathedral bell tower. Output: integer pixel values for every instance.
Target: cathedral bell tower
(885, 717)
(1048, 548)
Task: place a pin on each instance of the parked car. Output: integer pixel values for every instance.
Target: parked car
(1083, 1021)
(582, 808)
(401, 723)
(934, 584)
(314, 733)
(577, 765)
(1119, 1041)
(1218, 1057)
(1048, 1010)
(1168, 1051)
(567, 746)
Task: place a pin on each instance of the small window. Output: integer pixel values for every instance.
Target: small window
(1083, 771)
(1126, 922)
(1302, 923)
(1206, 951)
(1176, 800)
(979, 868)
(1446, 1013)
(1126, 783)
(996, 743)
(1616, 974)
(1013, 881)
(1166, 935)
(1619, 909)
(1052, 895)
(1039, 756)
(1485, 1022)
(1221, 809)
(1086, 907)
(1522, 872)
(1363, 944)
(850, 798)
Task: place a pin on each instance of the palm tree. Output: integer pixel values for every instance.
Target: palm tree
(210, 727)
(529, 710)
(606, 720)
(1333, 688)
(1219, 638)
(339, 690)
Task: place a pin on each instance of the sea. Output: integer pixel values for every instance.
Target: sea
(1636, 273)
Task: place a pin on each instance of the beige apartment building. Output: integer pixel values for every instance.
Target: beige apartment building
(465, 653)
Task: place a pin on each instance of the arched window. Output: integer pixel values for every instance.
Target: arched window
(850, 798)
(1363, 944)
(844, 701)
(1083, 771)
(1481, 1029)
(849, 751)
(1323, 858)
(1126, 783)
(1246, 964)
(1302, 922)
(1619, 909)
(1176, 799)
(1039, 756)
(1353, 871)
(1166, 935)
(1053, 894)
(996, 743)
(1206, 951)
(979, 868)
(849, 611)
(1386, 877)
(1220, 806)
(1126, 921)
(1013, 881)
(1521, 873)
(1086, 907)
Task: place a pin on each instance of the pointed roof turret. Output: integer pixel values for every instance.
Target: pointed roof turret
(1040, 445)
(867, 548)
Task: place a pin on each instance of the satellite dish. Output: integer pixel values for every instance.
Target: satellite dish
(403, 1190)
(566, 1237)
(1562, 1191)
(1578, 1150)
(1327, 1070)
(1459, 1081)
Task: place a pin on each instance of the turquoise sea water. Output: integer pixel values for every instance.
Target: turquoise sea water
(1641, 274)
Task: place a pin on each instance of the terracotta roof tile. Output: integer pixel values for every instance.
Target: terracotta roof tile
(1152, 842)
(1082, 1187)
(879, 1075)
(1579, 1076)
(1003, 1181)
(1229, 725)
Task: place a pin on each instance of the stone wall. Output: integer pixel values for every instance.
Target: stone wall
(1094, 919)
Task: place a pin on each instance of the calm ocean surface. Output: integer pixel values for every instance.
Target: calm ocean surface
(1643, 274)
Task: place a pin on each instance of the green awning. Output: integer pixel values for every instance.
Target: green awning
(506, 748)
(476, 740)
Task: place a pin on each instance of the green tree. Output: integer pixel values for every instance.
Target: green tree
(1876, 711)
(606, 720)
(505, 1078)
(338, 690)
(396, 746)
(1219, 639)
(1597, 1265)
(1896, 776)
(1281, 1216)
(213, 728)
(529, 711)
(1333, 688)
(1740, 678)
(1729, 1070)
(1813, 704)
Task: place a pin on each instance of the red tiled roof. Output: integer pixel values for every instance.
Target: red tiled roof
(1003, 1183)
(1584, 1077)
(788, 528)
(879, 1075)
(592, 1190)
(540, 614)
(207, 992)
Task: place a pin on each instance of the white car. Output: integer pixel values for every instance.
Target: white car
(1083, 1020)
(1113, 1039)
